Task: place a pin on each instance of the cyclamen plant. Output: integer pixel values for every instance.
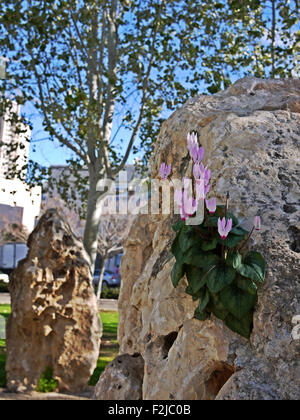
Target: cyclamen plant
(224, 281)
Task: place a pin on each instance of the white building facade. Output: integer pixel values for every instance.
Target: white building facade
(14, 145)
(18, 203)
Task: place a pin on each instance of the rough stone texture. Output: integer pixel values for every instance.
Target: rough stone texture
(122, 379)
(54, 321)
(44, 396)
(251, 135)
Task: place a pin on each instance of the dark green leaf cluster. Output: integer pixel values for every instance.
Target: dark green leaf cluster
(218, 276)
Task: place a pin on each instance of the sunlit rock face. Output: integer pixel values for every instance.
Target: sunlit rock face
(122, 379)
(251, 136)
(54, 322)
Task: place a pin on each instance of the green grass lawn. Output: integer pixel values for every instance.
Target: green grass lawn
(108, 351)
(109, 344)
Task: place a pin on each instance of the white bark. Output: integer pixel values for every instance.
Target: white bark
(93, 218)
(99, 290)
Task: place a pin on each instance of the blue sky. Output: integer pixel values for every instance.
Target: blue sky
(43, 150)
(47, 152)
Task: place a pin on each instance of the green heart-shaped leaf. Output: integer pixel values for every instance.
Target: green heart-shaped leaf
(194, 276)
(240, 326)
(202, 316)
(177, 273)
(254, 267)
(239, 231)
(231, 241)
(200, 259)
(209, 260)
(176, 250)
(178, 226)
(238, 302)
(234, 259)
(247, 285)
(219, 277)
(187, 239)
(204, 299)
(189, 290)
(216, 307)
(209, 245)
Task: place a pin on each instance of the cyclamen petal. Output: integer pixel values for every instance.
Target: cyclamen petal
(197, 153)
(229, 226)
(187, 205)
(192, 141)
(190, 206)
(200, 189)
(183, 215)
(207, 175)
(165, 170)
(211, 205)
(220, 226)
(200, 153)
(201, 172)
(224, 227)
(197, 171)
(257, 222)
(178, 196)
(223, 223)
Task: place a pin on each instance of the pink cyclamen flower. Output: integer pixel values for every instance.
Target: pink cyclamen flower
(192, 141)
(207, 174)
(165, 170)
(211, 205)
(197, 153)
(198, 171)
(201, 172)
(257, 222)
(188, 205)
(178, 196)
(224, 227)
(202, 189)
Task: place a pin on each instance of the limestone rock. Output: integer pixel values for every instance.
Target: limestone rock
(137, 251)
(251, 136)
(54, 322)
(122, 379)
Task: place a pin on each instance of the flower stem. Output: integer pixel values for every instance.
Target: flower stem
(200, 233)
(227, 204)
(246, 240)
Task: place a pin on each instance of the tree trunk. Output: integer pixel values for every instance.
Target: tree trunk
(96, 198)
(99, 290)
(93, 217)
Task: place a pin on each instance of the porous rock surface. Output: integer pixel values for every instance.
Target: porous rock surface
(251, 135)
(54, 322)
(122, 379)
